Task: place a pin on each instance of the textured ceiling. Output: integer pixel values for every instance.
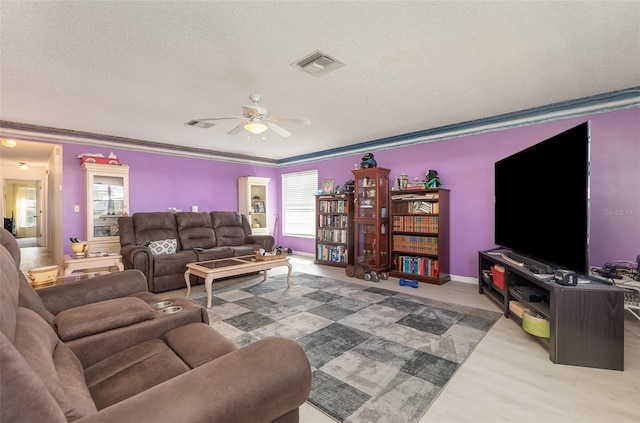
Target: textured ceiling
(141, 70)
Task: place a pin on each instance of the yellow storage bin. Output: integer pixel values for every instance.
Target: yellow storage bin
(536, 326)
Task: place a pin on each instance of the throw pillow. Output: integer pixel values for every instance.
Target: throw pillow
(163, 246)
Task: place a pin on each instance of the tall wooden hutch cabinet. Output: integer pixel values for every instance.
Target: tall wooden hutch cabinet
(371, 218)
(334, 229)
(107, 199)
(253, 201)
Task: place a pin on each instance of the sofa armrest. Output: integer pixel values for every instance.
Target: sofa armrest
(93, 318)
(114, 285)
(262, 381)
(266, 241)
(137, 257)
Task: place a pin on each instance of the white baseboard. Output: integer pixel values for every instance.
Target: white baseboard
(465, 279)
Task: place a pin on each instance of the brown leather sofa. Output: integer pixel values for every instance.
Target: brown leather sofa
(113, 312)
(198, 236)
(188, 373)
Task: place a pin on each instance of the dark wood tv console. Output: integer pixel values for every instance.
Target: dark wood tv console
(586, 321)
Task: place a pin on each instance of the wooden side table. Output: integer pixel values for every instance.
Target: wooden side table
(71, 263)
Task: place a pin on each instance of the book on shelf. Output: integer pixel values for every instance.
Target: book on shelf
(423, 224)
(334, 253)
(334, 206)
(424, 266)
(416, 244)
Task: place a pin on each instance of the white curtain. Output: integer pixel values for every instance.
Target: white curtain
(25, 209)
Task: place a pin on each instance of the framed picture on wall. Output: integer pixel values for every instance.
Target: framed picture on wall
(259, 206)
(327, 185)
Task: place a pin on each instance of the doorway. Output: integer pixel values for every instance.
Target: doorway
(23, 211)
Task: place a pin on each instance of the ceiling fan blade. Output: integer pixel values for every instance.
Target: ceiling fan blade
(278, 129)
(291, 120)
(219, 118)
(237, 129)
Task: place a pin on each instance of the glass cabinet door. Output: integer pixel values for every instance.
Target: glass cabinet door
(108, 205)
(107, 199)
(367, 196)
(372, 245)
(371, 218)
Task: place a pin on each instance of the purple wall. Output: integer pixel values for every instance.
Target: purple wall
(465, 166)
(157, 182)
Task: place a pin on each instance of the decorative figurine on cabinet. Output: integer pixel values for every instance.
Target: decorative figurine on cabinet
(432, 179)
(368, 161)
(349, 186)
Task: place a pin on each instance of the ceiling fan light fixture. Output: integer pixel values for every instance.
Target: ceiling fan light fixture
(255, 127)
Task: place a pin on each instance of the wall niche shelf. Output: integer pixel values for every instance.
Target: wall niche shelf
(253, 194)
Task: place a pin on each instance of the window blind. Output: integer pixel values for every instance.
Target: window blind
(299, 203)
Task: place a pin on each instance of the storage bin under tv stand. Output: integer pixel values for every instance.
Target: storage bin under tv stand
(586, 321)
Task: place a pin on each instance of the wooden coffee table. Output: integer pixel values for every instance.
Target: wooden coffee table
(233, 266)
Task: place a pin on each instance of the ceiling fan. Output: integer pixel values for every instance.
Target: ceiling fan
(258, 120)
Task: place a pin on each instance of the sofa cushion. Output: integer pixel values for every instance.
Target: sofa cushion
(163, 247)
(8, 293)
(102, 316)
(195, 230)
(132, 371)
(214, 253)
(229, 228)
(153, 226)
(17, 383)
(54, 363)
(28, 298)
(173, 264)
(198, 344)
(245, 250)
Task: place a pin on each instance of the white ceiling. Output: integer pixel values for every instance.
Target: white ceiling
(141, 70)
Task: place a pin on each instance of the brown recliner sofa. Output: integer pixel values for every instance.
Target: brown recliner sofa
(103, 315)
(198, 236)
(190, 373)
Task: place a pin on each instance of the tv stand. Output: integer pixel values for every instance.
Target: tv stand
(586, 322)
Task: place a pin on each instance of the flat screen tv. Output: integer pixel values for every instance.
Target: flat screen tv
(542, 201)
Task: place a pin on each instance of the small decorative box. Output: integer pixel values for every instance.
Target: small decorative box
(100, 160)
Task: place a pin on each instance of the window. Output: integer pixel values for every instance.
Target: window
(299, 203)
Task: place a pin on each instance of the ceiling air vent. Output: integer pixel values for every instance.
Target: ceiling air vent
(318, 63)
(200, 124)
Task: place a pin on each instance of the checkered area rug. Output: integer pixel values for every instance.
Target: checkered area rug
(376, 355)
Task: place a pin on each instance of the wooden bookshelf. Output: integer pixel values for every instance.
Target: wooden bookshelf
(334, 229)
(420, 235)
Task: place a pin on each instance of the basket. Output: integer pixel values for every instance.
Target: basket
(518, 309)
(43, 275)
(497, 272)
(536, 326)
(266, 258)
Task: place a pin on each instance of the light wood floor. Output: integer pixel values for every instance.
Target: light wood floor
(509, 377)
